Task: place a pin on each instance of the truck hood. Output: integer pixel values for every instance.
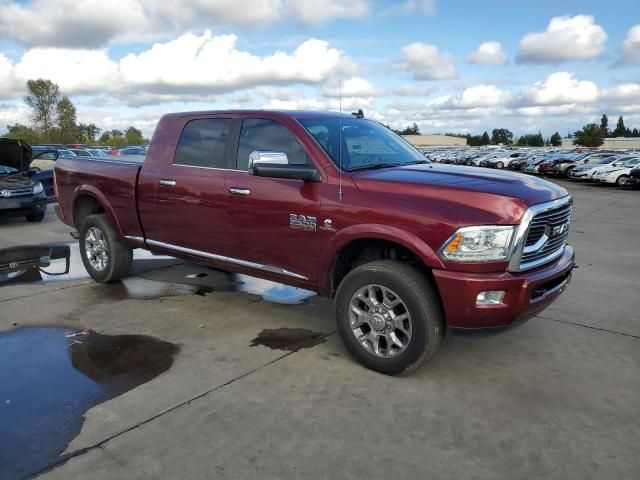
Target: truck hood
(17, 180)
(499, 196)
(15, 154)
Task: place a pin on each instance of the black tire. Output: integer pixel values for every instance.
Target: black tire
(499, 165)
(621, 181)
(567, 173)
(119, 257)
(422, 302)
(35, 217)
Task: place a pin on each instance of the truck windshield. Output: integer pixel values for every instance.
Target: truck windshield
(365, 144)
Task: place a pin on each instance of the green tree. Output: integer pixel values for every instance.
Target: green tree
(134, 136)
(485, 139)
(66, 118)
(635, 133)
(589, 136)
(88, 132)
(410, 130)
(621, 130)
(116, 141)
(501, 136)
(474, 141)
(24, 133)
(604, 125)
(104, 138)
(556, 139)
(117, 133)
(42, 97)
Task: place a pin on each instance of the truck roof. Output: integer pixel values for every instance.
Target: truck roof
(297, 114)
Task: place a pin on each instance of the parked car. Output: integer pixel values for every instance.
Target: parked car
(618, 174)
(585, 172)
(44, 159)
(128, 151)
(336, 204)
(20, 194)
(564, 165)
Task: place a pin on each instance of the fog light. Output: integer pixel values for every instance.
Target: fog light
(490, 297)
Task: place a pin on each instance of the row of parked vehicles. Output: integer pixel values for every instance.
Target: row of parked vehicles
(617, 167)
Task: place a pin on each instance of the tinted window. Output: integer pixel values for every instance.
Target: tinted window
(202, 143)
(267, 135)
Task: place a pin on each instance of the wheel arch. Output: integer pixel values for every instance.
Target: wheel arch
(360, 244)
(88, 200)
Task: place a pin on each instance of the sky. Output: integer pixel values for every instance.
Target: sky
(449, 66)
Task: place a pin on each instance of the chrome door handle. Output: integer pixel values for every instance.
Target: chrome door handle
(245, 192)
(168, 183)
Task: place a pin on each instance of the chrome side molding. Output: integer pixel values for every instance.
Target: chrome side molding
(222, 258)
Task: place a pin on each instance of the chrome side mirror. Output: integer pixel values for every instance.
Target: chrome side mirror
(261, 157)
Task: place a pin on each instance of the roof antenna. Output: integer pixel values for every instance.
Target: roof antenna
(340, 144)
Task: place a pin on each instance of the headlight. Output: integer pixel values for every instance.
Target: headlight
(479, 244)
(37, 188)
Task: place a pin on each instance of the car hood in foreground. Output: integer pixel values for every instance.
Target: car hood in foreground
(501, 193)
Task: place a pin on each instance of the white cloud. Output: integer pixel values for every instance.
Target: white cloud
(199, 65)
(426, 62)
(413, 90)
(624, 92)
(488, 53)
(558, 88)
(479, 96)
(320, 11)
(93, 23)
(565, 39)
(631, 46)
(353, 87)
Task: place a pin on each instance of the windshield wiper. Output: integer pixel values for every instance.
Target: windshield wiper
(417, 162)
(373, 166)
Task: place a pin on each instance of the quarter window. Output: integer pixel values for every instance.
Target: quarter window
(203, 143)
(267, 135)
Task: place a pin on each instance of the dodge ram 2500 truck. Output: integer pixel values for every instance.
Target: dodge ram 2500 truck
(337, 204)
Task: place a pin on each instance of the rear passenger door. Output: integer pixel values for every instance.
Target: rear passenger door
(260, 209)
(190, 199)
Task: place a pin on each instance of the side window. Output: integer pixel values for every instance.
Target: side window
(267, 135)
(203, 142)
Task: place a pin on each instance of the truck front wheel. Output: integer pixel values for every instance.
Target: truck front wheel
(103, 255)
(389, 316)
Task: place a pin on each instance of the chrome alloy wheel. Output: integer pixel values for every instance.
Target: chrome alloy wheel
(95, 247)
(380, 321)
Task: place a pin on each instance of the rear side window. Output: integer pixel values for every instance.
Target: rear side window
(203, 142)
(267, 135)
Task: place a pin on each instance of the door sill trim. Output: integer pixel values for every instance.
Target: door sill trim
(221, 258)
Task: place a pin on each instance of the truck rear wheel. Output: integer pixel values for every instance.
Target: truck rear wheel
(389, 316)
(103, 255)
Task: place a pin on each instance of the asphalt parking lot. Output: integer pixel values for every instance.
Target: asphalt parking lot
(250, 380)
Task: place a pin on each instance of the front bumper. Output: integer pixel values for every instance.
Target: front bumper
(18, 206)
(526, 294)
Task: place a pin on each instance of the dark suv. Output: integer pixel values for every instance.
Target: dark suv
(20, 193)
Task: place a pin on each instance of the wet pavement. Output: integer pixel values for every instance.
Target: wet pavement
(288, 339)
(50, 376)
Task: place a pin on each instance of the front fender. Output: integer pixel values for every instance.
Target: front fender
(378, 232)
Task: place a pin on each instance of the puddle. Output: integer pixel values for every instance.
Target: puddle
(289, 339)
(270, 291)
(49, 377)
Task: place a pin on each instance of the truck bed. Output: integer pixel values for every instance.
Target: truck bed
(111, 181)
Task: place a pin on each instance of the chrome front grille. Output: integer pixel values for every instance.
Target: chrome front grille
(16, 192)
(546, 229)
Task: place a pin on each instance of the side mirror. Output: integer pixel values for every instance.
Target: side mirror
(277, 158)
(276, 165)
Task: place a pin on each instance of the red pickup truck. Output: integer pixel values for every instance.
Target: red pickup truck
(337, 204)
